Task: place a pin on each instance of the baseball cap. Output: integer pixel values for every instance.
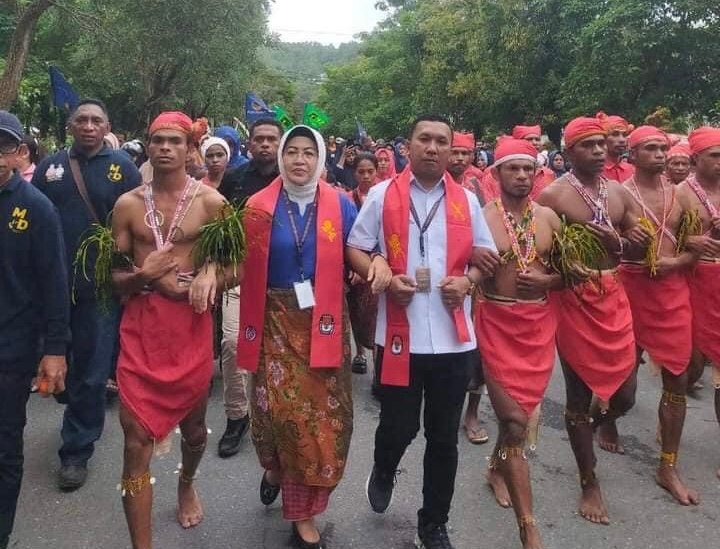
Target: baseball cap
(10, 124)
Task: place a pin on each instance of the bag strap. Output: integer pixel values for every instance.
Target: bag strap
(80, 185)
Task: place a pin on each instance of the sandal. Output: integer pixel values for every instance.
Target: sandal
(268, 492)
(476, 436)
(359, 365)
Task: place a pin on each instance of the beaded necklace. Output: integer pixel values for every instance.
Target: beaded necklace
(662, 229)
(704, 199)
(598, 206)
(154, 218)
(519, 234)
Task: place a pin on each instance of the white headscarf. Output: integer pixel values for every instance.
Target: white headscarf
(210, 141)
(302, 195)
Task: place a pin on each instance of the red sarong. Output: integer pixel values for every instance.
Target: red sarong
(165, 362)
(517, 345)
(595, 333)
(704, 283)
(662, 318)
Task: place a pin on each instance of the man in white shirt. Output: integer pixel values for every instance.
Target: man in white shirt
(429, 229)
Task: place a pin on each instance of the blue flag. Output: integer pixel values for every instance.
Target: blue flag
(64, 96)
(361, 132)
(255, 108)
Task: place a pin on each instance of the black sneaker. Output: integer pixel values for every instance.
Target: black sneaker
(432, 536)
(379, 489)
(71, 477)
(229, 444)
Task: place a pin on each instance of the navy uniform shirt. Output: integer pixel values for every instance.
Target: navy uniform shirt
(107, 175)
(34, 299)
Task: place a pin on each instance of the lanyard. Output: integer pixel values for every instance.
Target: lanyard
(424, 226)
(300, 241)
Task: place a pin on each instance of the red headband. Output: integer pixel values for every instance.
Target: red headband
(704, 138)
(680, 150)
(510, 148)
(172, 120)
(643, 134)
(463, 140)
(523, 132)
(613, 121)
(582, 127)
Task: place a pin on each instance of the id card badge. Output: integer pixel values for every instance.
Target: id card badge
(422, 279)
(304, 294)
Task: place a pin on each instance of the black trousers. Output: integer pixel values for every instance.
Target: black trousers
(14, 393)
(442, 380)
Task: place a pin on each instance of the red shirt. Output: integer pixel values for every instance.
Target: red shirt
(620, 172)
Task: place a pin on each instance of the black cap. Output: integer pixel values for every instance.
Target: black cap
(10, 125)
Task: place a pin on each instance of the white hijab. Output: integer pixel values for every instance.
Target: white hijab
(302, 195)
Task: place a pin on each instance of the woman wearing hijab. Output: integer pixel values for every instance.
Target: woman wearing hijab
(386, 165)
(232, 138)
(556, 162)
(295, 339)
(216, 154)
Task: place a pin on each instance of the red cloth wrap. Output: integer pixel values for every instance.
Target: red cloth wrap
(172, 120)
(396, 225)
(595, 333)
(680, 149)
(613, 121)
(517, 345)
(643, 134)
(463, 140)
(165, 362)
(582, 128)
(510, 148)
(704, 283)
(326, 346)
(662, 317)
(704, 138)
(523, 132)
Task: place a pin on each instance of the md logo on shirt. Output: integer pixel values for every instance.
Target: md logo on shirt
(114, 174)
(19, 223)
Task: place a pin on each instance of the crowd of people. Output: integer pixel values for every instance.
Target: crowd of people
(455, 267)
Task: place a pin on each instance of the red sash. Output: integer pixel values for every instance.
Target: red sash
(326, 337)
(396, 225)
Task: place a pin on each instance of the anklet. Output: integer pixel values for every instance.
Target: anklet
(132, 486)
(507, 452)
(586, 480)
(668, 458)
(576, 418)
(527, 520)
(673, 398)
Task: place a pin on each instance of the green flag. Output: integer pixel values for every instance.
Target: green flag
(283, 117)
(314, 116)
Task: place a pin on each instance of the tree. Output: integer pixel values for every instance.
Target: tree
(26, 15)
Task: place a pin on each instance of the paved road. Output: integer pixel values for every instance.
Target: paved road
(643, 516)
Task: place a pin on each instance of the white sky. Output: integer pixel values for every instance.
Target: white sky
(324, 21)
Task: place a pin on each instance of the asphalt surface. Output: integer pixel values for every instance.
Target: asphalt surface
(642, 515)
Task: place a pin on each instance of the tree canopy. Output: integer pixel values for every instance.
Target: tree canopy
(489, 64)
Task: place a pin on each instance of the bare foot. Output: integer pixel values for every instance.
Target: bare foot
(530, 537)
(499, 488)
(592, 507)
(608, 438)
(190, 511)
(668, 478)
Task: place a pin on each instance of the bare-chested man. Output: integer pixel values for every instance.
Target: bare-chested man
(659, 295)
(515, 325)
(703, 191)
(595, 337)
(166, 354)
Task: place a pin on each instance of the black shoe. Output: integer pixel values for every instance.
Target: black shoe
(359, 365)
(432, 536)
(301, 543)
(71, 477)
(268, 492)
(379, 489)
(229, 444)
